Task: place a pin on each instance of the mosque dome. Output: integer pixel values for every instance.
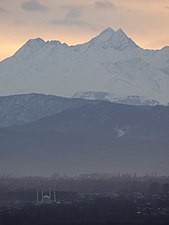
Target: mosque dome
(46, 199)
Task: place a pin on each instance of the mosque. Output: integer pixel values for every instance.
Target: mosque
(44, 197)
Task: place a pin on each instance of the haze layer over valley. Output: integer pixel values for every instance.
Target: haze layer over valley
(41, 135)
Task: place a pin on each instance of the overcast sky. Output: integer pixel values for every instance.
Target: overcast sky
(77, 21)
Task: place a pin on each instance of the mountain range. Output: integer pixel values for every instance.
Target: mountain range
(109, 67)
(41, 135)
(112, 113)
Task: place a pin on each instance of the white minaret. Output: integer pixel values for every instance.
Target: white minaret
(50, 194)
(42, 195)
(37, 197)
(54, 194)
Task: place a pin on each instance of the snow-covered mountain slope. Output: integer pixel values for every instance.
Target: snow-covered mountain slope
(110, 63)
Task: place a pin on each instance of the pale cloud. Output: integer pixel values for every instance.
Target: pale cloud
(74, 17)
(105, 4)
(108, 5)
(18, 23)
(33, 5)
(73, 22)
(166, 7)
(73, 11)
(127, 9)
(3, 10)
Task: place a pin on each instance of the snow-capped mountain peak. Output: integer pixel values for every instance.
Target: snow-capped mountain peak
(109, 67)
(107, 33)
(53, 42)
(112, 39)
(31, 47)
(34, 44)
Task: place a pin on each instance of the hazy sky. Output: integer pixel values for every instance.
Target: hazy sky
(77, 21)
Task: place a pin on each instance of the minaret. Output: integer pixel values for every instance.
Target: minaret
(54, 194)
(50, 194)
(37, 196)
(42, 195)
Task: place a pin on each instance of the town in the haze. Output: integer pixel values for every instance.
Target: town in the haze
(120, 199)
